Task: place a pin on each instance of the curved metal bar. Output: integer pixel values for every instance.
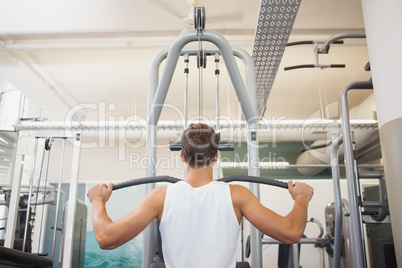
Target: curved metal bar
(313, 220)
(58, 199)
(308, 43)
(314, 66)
(382, 204)
(248, 109)
(298, 67)
(384, 209)
(170, 179)
(300, 43)
(237, 52)
(325, 48)
(356, 231)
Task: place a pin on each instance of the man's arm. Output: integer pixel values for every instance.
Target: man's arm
(111, 234)
(288, 229)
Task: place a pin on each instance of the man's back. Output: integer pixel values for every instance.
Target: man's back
(205, 225)
(199, 227)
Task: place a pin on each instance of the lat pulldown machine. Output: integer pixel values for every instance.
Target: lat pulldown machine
(247, 97)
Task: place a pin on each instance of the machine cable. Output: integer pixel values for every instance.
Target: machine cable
(39, 178)
(200, 84)
(48, 146)
(186, 72)
(217, 72)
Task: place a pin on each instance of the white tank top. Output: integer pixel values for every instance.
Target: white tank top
(199, 227)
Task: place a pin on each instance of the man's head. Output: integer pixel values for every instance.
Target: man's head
(199, 144)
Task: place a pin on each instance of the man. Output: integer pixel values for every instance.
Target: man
(199, 218)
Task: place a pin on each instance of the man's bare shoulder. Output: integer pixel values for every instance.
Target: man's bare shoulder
(238, 188)
(158, 192)
(240, 193)
(157, 198)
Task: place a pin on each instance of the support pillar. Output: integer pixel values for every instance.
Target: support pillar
(384, 38)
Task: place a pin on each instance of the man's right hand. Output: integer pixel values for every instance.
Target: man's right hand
(300, 191)
(100, 192)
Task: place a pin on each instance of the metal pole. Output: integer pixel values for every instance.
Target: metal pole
(72, 204)
(148, 246)
(337, 201)
(154, 77)
(58, 199)
(295, 255)
(149, 234)
(358, 255)
(30, 193)
(253, 159)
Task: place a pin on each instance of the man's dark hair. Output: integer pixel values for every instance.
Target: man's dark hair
(199, 144)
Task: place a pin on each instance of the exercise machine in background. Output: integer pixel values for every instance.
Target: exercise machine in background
(26, 232)
(346, 220)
